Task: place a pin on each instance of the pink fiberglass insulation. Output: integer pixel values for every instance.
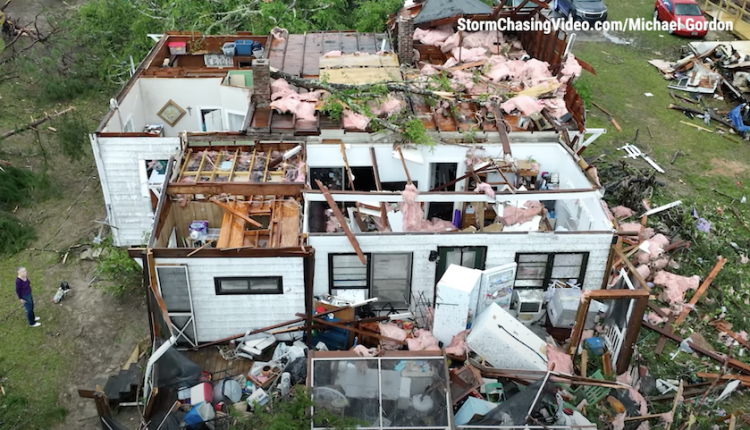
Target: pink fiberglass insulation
(462, 80)
(279, 33)
(434, 37)
(499, 70)
(392, 331)
(558, 360)
(280, 88)
(622, 212)
(485, 188)
(450, 63)
(305, 111)
(743, 335)
(481, 39)
(423, 340)
(332, 224)
(471, 55)
(525, 104)
(413, 215)
(571, 69)
(523, 213)
(619, 422)
(556, 107)
(654, 318)
(644, 426)
(631, 226)
(458, 346)
(353, 120)
(644, 271)
(656, 245)
(332, 54)
(660, 263)
(450, 43)
(428, 70)
(363, 351)
(675, 286)
(635, 396)
(388, 107)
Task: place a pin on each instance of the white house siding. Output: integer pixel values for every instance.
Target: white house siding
(117, 160)
(221, 316)
(501, 249)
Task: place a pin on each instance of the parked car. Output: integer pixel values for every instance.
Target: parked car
(684, 13)
(583, 10)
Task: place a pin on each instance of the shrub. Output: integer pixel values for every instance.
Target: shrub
(72, 133)
(121, 273)
(14, 235)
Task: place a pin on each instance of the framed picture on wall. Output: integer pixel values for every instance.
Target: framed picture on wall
(171, 113)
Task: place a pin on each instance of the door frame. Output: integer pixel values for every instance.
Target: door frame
(190, 315)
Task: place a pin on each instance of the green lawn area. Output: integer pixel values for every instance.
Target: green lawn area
(34, 360)
(624, 77)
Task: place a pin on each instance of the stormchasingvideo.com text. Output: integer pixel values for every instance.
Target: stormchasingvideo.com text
(570, 25)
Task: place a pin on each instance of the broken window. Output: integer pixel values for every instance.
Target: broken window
(542, 269)
(249, 285)
(383, 392)
(385, 276)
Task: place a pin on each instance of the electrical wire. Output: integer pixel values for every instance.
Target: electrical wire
(521, 342)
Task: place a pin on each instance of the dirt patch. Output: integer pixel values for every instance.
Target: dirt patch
(729, 168)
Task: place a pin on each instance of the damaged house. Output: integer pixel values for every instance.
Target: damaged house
(254, 202)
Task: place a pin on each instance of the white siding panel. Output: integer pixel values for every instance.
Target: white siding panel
(129, 211)
(220, 316)
(501, 249)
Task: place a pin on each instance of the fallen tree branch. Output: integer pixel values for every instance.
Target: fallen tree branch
(33, 124)
(698, 112)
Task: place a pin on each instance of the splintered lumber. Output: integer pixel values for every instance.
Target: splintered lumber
(208, 242)
(702, 289)
(723, 326)
(36, 123)
(696, 126)
(698, 112)
(236, 212)
(609, 116)
(736, 364)
(232, 234)
(342, 221)
(346, 165)
(363, 332)
(403, 163)
(726, 376)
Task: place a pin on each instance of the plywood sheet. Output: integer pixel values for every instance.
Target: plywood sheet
(368, 75)
(289, 224)
(351, 60)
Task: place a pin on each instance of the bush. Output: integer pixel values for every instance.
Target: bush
(121, 273)
(14, 235)
(72, 135)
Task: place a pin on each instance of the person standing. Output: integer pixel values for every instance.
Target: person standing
(23, 291)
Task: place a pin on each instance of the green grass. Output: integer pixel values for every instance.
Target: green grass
(33, 360)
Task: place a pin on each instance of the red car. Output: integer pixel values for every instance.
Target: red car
(685, 16)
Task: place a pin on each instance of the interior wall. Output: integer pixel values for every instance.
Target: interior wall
(149, 95)
(131, 107)
(195, 211)
(552, 157)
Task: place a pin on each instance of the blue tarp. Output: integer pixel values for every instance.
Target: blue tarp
(735, 115)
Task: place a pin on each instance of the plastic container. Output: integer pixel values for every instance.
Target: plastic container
(244, 47)
(596, 345)
(229, 49)
(177, 48)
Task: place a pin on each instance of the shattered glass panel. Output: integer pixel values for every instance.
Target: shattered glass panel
(414, 393)
(347, 389)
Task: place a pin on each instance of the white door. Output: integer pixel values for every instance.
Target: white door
(174, 287)
(497, 287)
(212, 120)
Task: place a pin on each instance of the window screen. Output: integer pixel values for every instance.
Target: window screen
(539, 270)
(173, 286)
(532, 270)
(249, 285)
(391, 279)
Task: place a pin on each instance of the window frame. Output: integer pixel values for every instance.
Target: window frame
(368, 288)
(219, 279)
(549, 267)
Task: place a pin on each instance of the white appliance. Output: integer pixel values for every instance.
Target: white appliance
(563, 308)
(457, 293)
(505, 343)
(497, 287)
(528, 305)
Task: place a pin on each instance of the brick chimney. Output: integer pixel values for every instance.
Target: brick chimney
(405, 40)
(262, 83)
